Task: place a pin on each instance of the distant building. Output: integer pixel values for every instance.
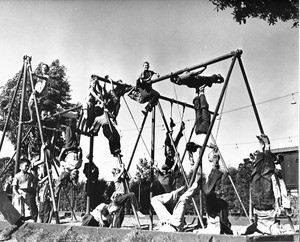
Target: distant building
(290, 166)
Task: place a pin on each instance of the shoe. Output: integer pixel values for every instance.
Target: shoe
(148, 107)
(265, 139)
(29, 122)
(117, 152)
(217, 78)
(221, 79)
(140, 214)
(192, 147)
(4, 237)
(202, 89)
(172, 124)
(92, 133)
(191, 158)
(182, 127)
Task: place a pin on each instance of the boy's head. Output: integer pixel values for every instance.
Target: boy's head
(115, 171)
(213, 156)
(146, 65)
(24, 164)
(45, 68)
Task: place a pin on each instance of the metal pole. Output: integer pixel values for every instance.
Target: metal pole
(22, 106)
(28, 59)
(151, 166)
(88, 198)
(10, 160)
(99, 78)
(11, 106)
(250, 95)
(204, 64)
(179, 102)
(201, 152)
(230, 178)
(65, 111)
(137, 141)
(180, 164)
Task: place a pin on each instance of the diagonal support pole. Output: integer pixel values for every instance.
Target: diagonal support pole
(180, 165)
(230, 178)
(120, 159)
(11, 105)
(28, 60)
(250, 95)
(22, 107)
(137, 141)
(199, 160)
(11, 159)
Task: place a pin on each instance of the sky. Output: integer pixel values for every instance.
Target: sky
(115, 37)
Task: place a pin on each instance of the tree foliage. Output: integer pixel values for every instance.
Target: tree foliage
(269, 10)
(225, 187)
(59, 92)
(6, 169)
(243, 180)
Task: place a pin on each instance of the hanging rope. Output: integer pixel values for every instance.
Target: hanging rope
(181, 115)
(136, 125)
(220, 114)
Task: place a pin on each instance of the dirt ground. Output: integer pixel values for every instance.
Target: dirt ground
(239, 225)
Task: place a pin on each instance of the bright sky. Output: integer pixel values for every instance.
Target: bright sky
(116, 37)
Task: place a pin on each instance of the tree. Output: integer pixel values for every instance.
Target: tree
(243, 180)
(225, 187)
(59, 93)
(9, 169)
(268, 10)
(140, 185)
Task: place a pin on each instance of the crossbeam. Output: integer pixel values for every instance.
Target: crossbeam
(171, 100)
(203, 64)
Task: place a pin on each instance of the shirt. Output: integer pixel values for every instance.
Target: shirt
(24, 181)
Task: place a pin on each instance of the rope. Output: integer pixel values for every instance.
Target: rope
(180, 114)
(220, 114)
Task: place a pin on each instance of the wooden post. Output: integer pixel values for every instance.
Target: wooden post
(88, 198)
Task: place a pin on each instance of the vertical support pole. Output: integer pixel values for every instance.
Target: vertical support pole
(91, 154)
(250, 205)
(201, 152)
(22, 106)
(250, 95)
(200, 189)
(151, 166)
(73, 217)
(11, 106)
(55, 211)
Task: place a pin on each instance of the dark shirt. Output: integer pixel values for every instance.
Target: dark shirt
(71, 137)
(144, 81)
(166, 180)
(261, 182)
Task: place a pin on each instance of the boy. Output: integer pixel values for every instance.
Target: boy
(24, 188)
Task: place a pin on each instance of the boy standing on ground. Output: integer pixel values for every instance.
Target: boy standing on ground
(24, 188)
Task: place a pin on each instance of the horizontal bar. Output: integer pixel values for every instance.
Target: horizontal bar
(204, 64)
